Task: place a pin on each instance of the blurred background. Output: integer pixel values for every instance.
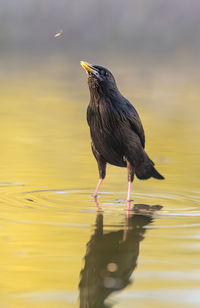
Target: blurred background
(149, 35)
(152, 47)
(47, 170)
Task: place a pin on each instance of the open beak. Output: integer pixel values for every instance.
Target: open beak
(87, 66)
(91, 69)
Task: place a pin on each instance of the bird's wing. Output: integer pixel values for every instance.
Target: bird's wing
(124, 111)
(128, 113)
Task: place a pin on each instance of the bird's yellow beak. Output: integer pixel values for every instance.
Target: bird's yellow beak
(87, 66)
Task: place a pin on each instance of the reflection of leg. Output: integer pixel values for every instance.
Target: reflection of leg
(99, 224)
(128, 209)
(97, 188)
(128, 216)
(97, 205)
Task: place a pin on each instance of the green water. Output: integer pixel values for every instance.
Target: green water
(56, 250)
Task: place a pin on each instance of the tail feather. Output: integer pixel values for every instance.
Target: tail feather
(157, 175)
(146, 170)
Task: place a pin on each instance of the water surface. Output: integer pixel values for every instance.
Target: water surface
(57, 250)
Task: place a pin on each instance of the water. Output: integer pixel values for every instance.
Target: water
(57, 250)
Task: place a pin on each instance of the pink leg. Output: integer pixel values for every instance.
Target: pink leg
(129, 191)
(97, 188)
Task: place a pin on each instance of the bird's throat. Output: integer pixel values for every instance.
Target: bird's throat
(96, 94)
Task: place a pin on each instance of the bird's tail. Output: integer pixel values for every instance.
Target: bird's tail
(157, 175)
(146, 170)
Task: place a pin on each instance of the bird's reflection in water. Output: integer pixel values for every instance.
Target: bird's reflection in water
(111, 257)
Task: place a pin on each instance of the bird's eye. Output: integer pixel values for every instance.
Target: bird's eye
(104, 73)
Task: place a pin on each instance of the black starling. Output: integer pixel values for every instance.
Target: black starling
(116, 130)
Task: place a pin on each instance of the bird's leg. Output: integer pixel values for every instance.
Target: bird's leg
(130, 184)
(97, 188)
(130, 178)
(102, 174)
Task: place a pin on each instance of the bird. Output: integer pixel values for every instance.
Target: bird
(116, 130)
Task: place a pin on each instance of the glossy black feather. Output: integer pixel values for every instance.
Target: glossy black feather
(116, 130)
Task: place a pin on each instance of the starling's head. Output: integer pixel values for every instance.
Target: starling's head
(99, 77)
